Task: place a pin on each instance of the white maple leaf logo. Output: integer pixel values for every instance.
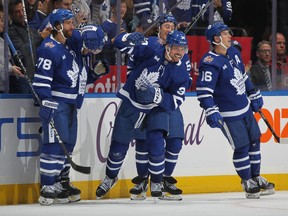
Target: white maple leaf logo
(73, 74)
(147, 79)
(238, 82)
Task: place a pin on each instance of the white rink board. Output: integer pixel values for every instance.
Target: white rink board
(205, 151)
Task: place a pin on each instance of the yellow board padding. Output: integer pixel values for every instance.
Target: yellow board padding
(29, 193)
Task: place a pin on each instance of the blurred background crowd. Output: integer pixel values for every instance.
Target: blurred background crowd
(266, 21)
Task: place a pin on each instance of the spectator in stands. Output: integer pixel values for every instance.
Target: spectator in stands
(82, 13)
(79, 8)
(99, 11)
(282, 62)
(261, 70)
(26, 40)
(110, 27)
(31, 7)
(187, 10)
(13, 69)
(42, 12)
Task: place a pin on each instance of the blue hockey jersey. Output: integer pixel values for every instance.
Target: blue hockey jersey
(222, 82)
(61, 74)
(172, 78)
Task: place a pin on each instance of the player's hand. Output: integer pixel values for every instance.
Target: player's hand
(149, 95)
(102, 67)
(16, 71)
(47, 110)
(256, 100)
(133, 39)
(215, 120)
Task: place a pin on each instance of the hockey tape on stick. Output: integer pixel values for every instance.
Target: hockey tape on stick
(278, 139)
(78, 168)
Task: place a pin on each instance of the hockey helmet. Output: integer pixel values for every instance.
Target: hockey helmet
(60, 15)
(93, 37)
(166, 18)
(177, 38)
(215, 30)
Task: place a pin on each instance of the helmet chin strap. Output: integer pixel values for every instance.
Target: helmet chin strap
(60, 31)
(221, 43)
(168, 48)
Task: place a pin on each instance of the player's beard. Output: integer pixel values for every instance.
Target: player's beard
(67, 34)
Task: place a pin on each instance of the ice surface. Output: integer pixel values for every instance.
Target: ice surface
(222, 204)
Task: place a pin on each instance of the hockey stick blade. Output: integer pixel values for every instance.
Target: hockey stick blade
(278, 139)
(81, 169)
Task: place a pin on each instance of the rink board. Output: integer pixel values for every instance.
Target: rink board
(204, 165)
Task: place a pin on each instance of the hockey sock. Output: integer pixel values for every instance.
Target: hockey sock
(116, 158)
(241, 162)
(155, 142)
(141, 157)
(173, 147)
(255, 158)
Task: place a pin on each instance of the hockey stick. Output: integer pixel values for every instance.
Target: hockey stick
(28, 32)
(157, 21)
(81, 169)
(195, 19)
(278, 139)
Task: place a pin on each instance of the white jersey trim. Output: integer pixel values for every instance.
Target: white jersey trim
(236, 112)
(64, 95)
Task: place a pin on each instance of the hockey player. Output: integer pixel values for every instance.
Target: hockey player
(60, 82)
(156, 86)
(166, 24)
(229, 99)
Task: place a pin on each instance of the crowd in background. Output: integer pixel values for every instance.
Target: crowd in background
(254, 17)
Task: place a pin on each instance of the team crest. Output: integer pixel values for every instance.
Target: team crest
(238, 82)
(208, 59)
(147, 79)
(49, 44)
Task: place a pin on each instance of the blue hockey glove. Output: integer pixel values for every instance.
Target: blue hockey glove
(133, 39)
(94, 38)
(213, 117)
(215, 120)
(256, 100)
(47, 110)
(149, 95)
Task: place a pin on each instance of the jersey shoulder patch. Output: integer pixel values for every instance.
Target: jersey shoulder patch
(208, 59)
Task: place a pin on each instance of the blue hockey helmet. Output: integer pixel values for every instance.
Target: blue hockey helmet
(166, 18)
(215, 30)
(176, 38)
(93, 37)
(60, 15)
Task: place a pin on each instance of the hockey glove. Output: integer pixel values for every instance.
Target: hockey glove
(256, 100)
(213, 118)
(93, 38)
(149, 95)
(133, 39)
(47, 110)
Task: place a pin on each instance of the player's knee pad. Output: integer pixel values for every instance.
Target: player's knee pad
(52, 148)
(241, 156)
(255, 146)
(173, 145)
(118, 151)
(155, 142)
